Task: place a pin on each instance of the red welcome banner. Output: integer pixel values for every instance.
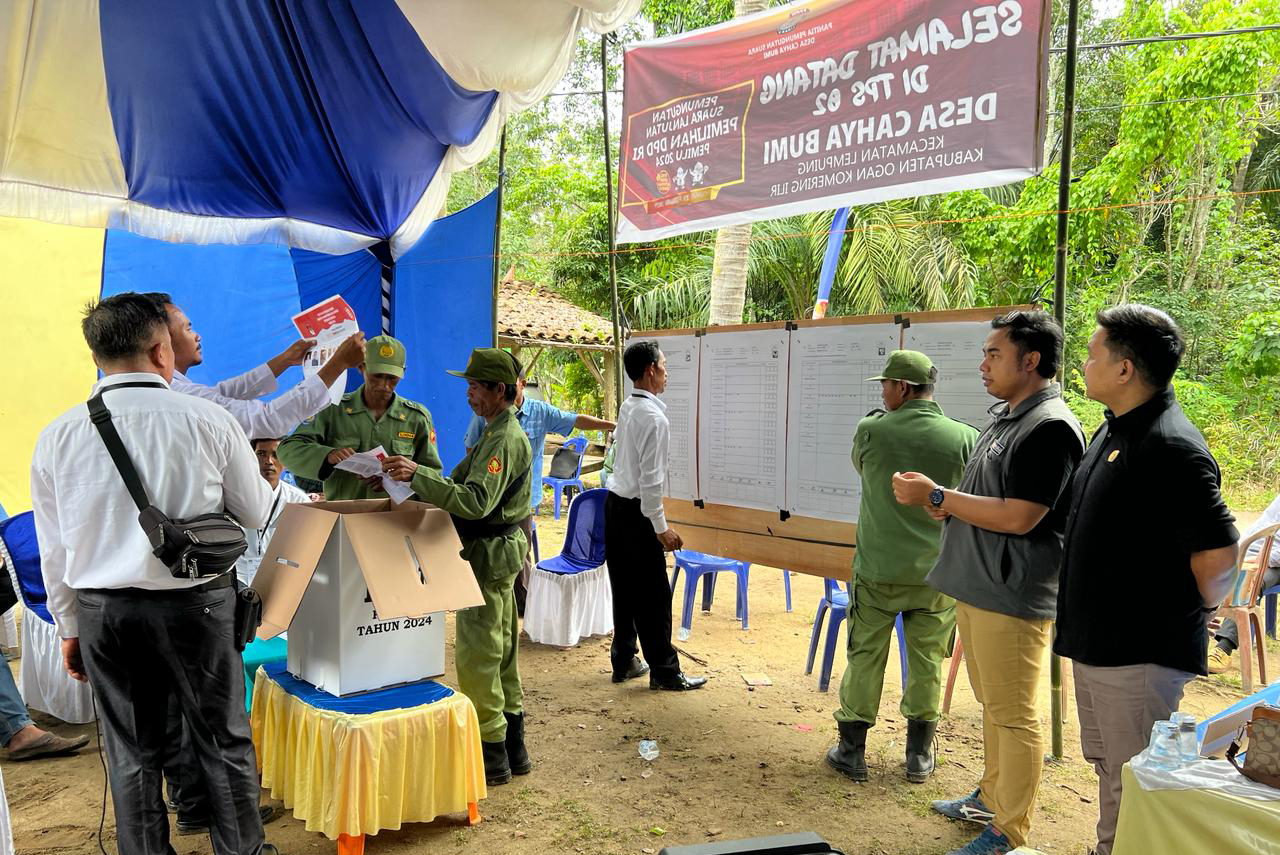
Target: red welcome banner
(819, 105)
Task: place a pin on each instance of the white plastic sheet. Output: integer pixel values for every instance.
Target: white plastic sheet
(1218, 775)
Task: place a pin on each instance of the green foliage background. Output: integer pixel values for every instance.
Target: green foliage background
(1175, 163)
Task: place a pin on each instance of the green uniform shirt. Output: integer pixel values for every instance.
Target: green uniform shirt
(405, 429)
(479, 488)
(897, 543)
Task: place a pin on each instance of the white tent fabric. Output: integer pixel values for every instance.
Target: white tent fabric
(564, 608)
(6, 831)
(522, 51)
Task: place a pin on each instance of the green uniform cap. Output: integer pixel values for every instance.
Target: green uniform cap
(489, 363)
(909, 366)
(384, 355)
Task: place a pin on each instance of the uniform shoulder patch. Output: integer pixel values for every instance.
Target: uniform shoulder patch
(433, 436)
(495, 465)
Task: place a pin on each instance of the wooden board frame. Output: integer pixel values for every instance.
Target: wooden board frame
(804, 544)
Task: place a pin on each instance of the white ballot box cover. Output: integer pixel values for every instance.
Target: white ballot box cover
(362, 587)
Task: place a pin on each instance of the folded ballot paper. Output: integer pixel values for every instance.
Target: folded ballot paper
(366, 464)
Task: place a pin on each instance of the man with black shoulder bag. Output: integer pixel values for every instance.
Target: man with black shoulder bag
(139, 496)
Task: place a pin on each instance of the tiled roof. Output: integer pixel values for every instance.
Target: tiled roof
(534, 312)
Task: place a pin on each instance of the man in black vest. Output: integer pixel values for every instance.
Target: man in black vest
(1146, 524)
(1001, 547)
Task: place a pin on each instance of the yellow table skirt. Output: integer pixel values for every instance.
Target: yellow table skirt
(358, 774)
(1209, 821)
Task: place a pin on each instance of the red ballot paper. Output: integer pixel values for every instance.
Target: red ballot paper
(330, 323)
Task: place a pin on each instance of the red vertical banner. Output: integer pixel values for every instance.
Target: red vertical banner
(819, 105)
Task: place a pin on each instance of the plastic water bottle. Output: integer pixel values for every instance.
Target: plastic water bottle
(1188, 744)
(649, 749)
(1162, 753)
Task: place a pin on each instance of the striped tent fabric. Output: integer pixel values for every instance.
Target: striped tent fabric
(324, 126)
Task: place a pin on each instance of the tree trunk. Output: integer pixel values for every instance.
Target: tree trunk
(733, 244)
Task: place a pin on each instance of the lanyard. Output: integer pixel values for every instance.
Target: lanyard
(262, 532)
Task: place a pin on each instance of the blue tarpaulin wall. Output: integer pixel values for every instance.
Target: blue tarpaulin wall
(442, 307)
(240, 299)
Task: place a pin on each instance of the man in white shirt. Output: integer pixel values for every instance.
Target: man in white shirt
(128, 626)
(282, 493)
(241, 395)
(636, 532)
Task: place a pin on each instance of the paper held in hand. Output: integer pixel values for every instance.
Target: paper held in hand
(330, 323)
(367, 464)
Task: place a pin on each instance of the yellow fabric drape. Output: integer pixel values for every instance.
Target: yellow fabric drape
(1194, 821)
(49, 273)
(358, 774)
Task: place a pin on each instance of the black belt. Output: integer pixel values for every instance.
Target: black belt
(478, 529)
(223, 581)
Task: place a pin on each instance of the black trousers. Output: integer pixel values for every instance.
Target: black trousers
(140, 648)
(182, 770)
(641, 590)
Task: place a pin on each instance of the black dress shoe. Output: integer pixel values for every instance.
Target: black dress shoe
(678, 683)
(637, 668)
(200, 826)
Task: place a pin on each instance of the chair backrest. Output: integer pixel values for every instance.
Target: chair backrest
(21, 554)
(567, 462)
(584, 539)
(1250, 569)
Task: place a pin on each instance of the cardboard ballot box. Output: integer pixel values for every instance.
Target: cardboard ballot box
(362, 587)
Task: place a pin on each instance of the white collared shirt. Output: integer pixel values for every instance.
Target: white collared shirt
(640, 455)
(192, 459)
(261, 419)
(260, 538)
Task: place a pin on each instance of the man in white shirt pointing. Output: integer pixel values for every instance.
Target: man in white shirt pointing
(636, 532)
(241, 395)
(136, 633)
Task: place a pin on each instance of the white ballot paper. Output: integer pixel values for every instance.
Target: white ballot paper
(742, 418)
(956, 351)
(366, 464)
(828, 395)
(330, 323)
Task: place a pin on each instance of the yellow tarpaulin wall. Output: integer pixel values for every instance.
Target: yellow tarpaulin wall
(48, 274)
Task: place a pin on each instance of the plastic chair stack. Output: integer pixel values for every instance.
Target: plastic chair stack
(569, 594)
(836, 603)
(566, 469)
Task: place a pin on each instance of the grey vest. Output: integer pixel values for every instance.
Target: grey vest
(1011, 574)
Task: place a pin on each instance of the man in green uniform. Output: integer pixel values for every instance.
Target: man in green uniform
(897, 547)
(371, 416)
(488, 496)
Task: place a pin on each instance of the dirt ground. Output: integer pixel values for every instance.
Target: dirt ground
(735, 761)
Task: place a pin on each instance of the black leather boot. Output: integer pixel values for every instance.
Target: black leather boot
(848, 756)
(517, 756)
(496, 768)
(920, 760)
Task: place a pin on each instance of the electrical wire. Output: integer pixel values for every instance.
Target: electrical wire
(1174, 37)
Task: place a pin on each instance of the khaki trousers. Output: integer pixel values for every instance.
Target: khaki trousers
(1117, 707)
(1005, 657)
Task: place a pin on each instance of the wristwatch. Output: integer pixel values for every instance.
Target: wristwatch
(936, 496)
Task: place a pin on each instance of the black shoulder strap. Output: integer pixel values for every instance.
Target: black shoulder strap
(101, 418)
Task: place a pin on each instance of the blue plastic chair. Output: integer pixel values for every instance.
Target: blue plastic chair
(19, 536)
(709, 587)
(583, 548)
(698, 565)
(836, 601)
(577, 444)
